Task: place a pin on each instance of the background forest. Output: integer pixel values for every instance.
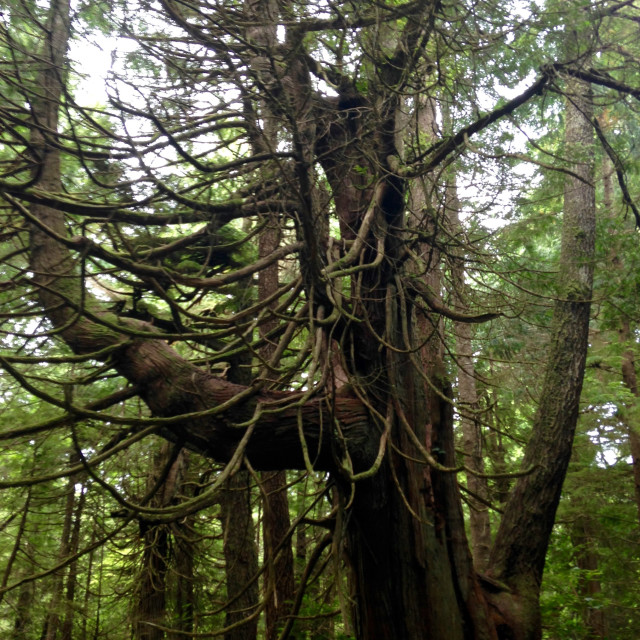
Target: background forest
(319, 319)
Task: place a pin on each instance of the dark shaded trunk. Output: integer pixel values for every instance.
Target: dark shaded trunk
(24, 605)
(66, 630)
(589, 588)
(163, 483)
(150, 610)
(56, 605)
(150, 605)
(184, 596)
(412, 571)
(184, 552)
(279, 581)
(241, 559)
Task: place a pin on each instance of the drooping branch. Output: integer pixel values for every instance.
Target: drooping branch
(212, 414)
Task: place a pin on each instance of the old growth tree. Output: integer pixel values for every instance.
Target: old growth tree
(265, 189)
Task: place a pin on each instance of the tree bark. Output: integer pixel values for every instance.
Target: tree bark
(589, 586)
(56, 606)
(479, 523)
(279, 582)
(183, 559)
(519, 550)
(241, 559)
(66, 630)
(24, 608)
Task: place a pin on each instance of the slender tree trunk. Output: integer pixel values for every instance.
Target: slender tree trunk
(279, 578)
(241, 559)
(56, 607)
(151, 599)
(279, 583)
(472, 445)
(589, 587)
(151, 604)
(18, 541)
(239, 535)
(66, 631)
(24, 606)
(519, 551)
(183, 566)
(89, 594)
(184, 552)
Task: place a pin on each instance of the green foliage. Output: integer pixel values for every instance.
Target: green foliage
(168, 184)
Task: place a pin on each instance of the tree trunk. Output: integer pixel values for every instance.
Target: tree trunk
(241, 559)
(519, 550)
(279, 579)
(66, 630)
(625, 335)
(479, 523)
(165, 479)
(52, 622)
(240, 546)
(24, 608)
(183, 555)
(150, 604)
(589, 586)
(279, 583)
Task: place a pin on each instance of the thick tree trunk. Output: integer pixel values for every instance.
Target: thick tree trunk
(413, 572)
